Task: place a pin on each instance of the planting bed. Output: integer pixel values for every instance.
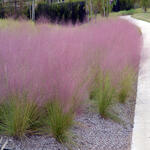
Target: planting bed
(90, 133)
(70, 85)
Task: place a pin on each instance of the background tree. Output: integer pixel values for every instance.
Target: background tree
(145, 4)
(124, 4)
(106, 6)
(99, 6)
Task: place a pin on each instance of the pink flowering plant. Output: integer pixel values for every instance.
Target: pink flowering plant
(58, 62)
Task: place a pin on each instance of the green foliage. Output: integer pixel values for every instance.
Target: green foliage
(13, 8)
(126, 4)
(102, 6)
(62, 12)
(103, 93)
(18, 116)
(2, 12)
(145, 4)
(57, 121)
(127, 12)
(126, 84)
(137, 13)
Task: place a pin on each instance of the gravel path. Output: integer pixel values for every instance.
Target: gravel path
(91, 132)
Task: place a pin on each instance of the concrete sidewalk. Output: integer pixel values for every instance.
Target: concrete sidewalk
(141, 130)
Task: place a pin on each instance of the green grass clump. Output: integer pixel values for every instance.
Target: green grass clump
(103, 94)
(18, 116)
(57, 121)
(126, 84)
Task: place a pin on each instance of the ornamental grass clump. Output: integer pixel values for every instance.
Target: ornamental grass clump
(126, 83)
(56, 61)
(103, 94)
(18, 116)
(57, 121)
(47, 60)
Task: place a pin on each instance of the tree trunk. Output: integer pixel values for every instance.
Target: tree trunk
(15, 7)
(87, 11)
(107, 8)
(91, 9)
(33, 10)
(145, 9)
(104, 7)
(21, 6)
(30, 9)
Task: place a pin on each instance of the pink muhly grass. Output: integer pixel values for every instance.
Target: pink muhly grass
(49, 62)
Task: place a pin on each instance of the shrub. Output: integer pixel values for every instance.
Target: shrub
(62, 12)
(127, 12)
(124, 5)
(10, 11)
(145, 4)
(18, 116)
(2, 12)
(57, 121)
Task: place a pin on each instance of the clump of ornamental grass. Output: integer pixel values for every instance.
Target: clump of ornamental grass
(18, 116)
(45, 60)
(103, 94)
(57, 121)
(39, 59)
(126, 84)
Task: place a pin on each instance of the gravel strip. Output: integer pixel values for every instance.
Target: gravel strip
(90, 133)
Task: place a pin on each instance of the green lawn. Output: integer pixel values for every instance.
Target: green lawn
(136, 13)
(127, 12)
(142, 16)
